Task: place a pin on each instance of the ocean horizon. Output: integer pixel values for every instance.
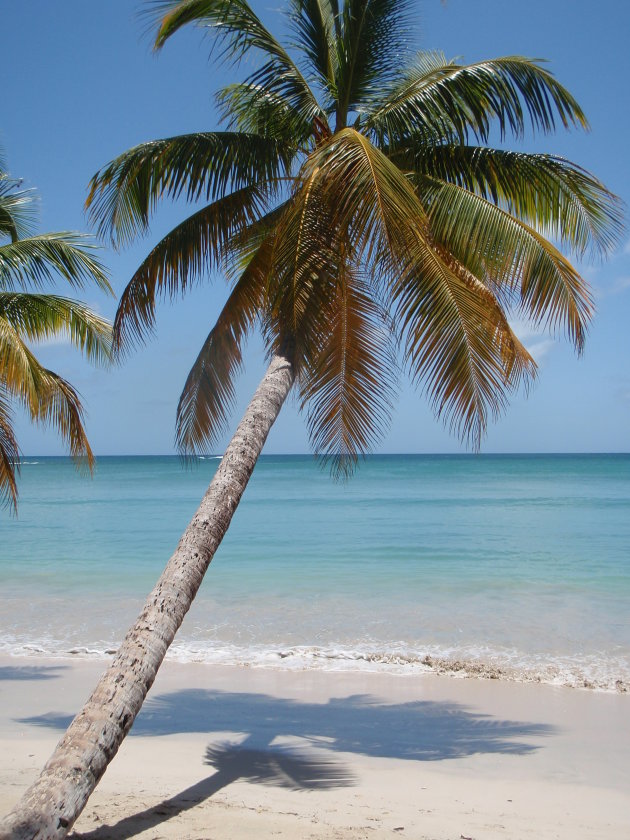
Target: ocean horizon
(511, 566)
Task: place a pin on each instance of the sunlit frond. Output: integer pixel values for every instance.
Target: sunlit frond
(33, 262)
(369, 197)
(186, 254)
(515, 256)
(49, 400)
(349, 388)
(303, 274)
(206, 166)
(208, 395)
(457, 338)
(39, 317)
(437, 97)
(458, 342)
(561, 199)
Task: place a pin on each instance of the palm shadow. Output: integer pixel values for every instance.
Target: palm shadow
(31, 672)
(420, 730)
(287, 768)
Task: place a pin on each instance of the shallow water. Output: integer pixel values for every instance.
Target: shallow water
(510, 566)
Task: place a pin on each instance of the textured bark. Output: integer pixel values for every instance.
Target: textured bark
(51, 805)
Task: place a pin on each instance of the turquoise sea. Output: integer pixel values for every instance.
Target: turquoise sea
(516, 567)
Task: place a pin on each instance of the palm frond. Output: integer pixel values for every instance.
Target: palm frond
(9, 455)
(368, 196)
(303, 274)
(17, 208)
(240, 30)
(47, 397)
(194, 166)
(208, 395)
(370, 50)
(32, 262)
(191, 249)
(254, 109)
(349, 387)
(438, 97)
(314, 26)
(458, 342)
(245, 242)
(39, 317)
(551, 193)
(515, 257)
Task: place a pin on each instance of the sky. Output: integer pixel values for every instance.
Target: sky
(81, 84)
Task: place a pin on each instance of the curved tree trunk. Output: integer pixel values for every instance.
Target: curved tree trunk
(51, 805)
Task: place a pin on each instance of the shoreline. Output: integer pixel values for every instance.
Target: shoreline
(331, 754)
(338, 660)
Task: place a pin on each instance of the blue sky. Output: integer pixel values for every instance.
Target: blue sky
(81, 84)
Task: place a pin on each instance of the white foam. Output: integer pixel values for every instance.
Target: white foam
(603, 672)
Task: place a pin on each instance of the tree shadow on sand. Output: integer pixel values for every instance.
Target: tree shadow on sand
(287, 768)
(419, 730)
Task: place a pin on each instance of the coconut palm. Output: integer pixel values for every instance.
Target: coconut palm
(28, 262)
(367, 227)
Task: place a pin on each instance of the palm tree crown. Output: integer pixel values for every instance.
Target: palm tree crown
(364, 220)
(28, 262)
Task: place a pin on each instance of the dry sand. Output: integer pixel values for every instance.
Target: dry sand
(239, 753)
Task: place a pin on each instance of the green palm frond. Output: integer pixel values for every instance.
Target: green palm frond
(189, 251)
(439, 98)
(28, 262)
(208, 396)
(331, 230)
(9, 454)
(370, 50)
(303, 275)
(39, 317)
(37, 260)
(556, 196)
(458, 342)
(17, 208)
(315, 25)
(254, 109)
(367, 195)
(47, 397)
(350, 386)
(194, 166)
(515, 257)
(245, 242)
(240, 30)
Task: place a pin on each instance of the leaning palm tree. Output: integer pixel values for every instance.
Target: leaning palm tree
(367, 228)
(28, 262)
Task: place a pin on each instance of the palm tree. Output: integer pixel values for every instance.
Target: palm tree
(363, 219)
(27, 262)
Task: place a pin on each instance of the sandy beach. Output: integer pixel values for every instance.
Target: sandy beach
(222, 752)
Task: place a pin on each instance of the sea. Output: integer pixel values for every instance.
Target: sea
(513, 567)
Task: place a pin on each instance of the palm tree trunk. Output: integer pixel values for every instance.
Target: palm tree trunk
(51, 805)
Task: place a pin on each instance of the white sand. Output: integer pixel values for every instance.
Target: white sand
(333, 755)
